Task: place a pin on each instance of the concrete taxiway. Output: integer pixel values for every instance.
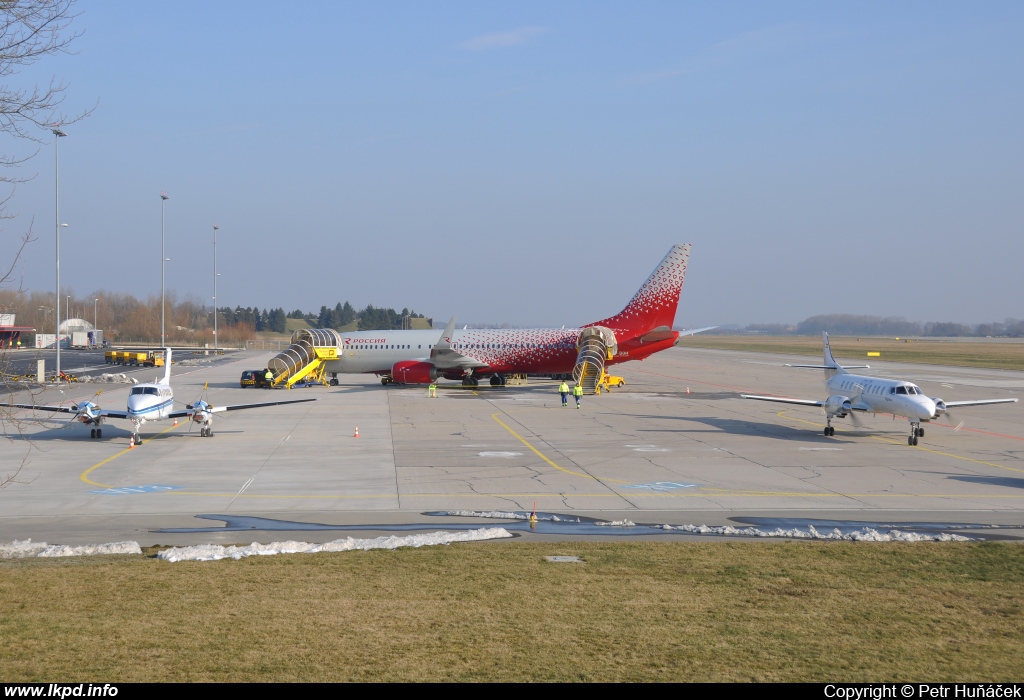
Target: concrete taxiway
(676, 445)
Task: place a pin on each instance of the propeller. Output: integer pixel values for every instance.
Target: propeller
(854, 418)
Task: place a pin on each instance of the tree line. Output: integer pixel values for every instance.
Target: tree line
(849, 324)
(125, 318)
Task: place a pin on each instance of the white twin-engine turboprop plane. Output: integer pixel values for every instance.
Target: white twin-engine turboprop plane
(852, 393)
(151, 402)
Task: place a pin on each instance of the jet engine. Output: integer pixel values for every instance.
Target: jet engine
(413, 372)
(837, 406)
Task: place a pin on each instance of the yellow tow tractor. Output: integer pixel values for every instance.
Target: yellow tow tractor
(610, 380)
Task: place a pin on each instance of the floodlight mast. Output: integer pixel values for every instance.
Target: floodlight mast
(163, 260)
(57, 133)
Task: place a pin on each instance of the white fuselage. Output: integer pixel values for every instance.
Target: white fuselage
(528, 350)
(883, 395)
(148, 402)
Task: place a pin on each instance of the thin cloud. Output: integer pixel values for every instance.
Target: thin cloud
(502, 40)
(745, 45)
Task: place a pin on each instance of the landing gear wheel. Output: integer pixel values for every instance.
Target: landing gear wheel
(495, 380)
(137, 439)
(920, 432)
(334, 381)
(826, 432)
(202, 432)
(92, 433)
(99, 433)
(915, 441)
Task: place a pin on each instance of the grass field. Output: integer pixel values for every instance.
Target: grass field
(852, 350)
(640, 611)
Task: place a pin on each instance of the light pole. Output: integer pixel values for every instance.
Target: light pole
(163, 259)
(57, 133)
(215, 276)
(95, 326)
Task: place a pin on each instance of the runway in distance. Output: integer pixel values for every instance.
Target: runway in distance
(150, 402)
(852, 393)
(641, 329)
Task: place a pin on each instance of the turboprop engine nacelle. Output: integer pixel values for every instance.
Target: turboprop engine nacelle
(412, 372)
(837, 405)
(940, 407)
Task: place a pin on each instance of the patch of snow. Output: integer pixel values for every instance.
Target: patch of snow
(105, 377)
(507, 515)
(27, 548)
(63, 550)
(212, 552)
(500, 454)
(617, 523)
(20, 548)
(501, 514)
(865, 534)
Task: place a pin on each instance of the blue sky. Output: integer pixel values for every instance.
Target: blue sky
(531, 163)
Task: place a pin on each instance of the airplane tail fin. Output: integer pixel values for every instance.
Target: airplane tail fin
(831, 366)
(167, 367)
(654, 306)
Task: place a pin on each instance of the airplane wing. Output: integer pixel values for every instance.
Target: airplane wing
(828, 366)
(56, 409)
(805, 402)
(73, 408)
(236, 407)
(778, 399)
(983, 402)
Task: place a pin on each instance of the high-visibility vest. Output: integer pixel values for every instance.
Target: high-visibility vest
(268, 376)
(577, 390)
(563, 389)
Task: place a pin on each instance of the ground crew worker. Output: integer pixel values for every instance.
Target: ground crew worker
(563, 389)
(432, 390)
(269, 377)
(577, 392)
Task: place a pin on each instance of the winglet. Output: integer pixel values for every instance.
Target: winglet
(445, 342)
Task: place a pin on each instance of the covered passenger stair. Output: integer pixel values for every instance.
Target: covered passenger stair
(595, 346)
(305, 358)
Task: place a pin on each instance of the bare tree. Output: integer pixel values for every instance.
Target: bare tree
(30, 31)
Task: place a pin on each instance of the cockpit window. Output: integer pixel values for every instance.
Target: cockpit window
(138, 390)
(901, 390)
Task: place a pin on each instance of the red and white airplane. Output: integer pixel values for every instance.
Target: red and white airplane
(641, 329)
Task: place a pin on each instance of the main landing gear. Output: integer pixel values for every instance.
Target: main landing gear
(497, 380)
(916, 431)
(206, 431)
(96, 433)
(470, 381)
(334, 379)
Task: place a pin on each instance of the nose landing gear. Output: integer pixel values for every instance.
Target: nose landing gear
(916, 431)
(829, 430)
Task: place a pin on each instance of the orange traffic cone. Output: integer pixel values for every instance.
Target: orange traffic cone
(131, 445)
(175, 421)
(357, 432)
(687, 390)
